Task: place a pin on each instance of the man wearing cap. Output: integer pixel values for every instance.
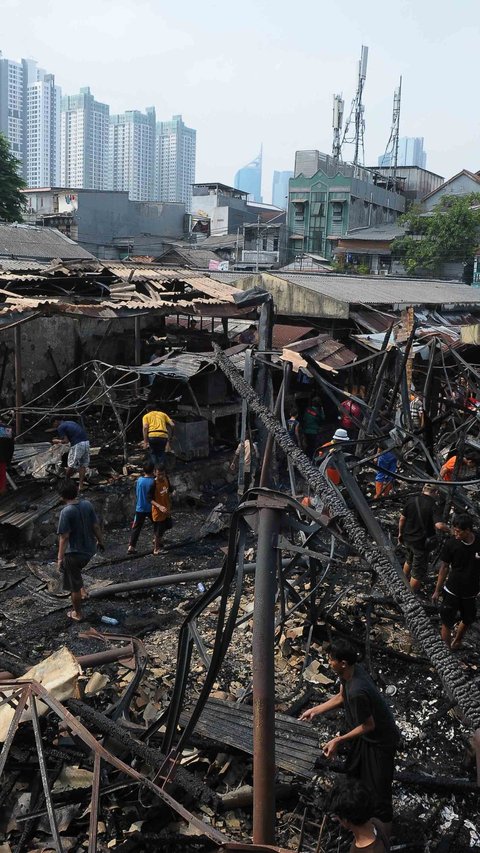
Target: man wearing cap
(339, 437)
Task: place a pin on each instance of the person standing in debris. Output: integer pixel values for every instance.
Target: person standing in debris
(459, 578)
(338, 438)
(313, 420)
(417, 412)
(79, 534)
(371, 729)
(293, 428)
(350, 417)
(71, 433)
(384, 479)
(7, 447)
(160, 492)
(157, 433)
(249, 464)
(466, 470)
(351, 803)
(143, 506)
(418, 524)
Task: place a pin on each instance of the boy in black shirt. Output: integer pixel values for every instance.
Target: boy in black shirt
(371, 728)
(459, 576)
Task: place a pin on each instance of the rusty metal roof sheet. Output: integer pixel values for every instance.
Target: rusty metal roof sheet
(327, 352)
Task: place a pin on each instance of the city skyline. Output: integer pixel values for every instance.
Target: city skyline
(129, 51)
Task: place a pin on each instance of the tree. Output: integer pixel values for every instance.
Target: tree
(450, 233)
(12, 201)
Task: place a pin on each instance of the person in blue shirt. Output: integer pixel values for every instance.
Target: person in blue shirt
(384, 480)
(143, 506)
(72, 433)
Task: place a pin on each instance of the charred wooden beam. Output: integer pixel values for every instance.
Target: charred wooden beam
(454, 680)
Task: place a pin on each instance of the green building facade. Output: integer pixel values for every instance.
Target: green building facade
(333, 199)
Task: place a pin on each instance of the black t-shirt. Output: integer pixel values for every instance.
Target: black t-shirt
(464, 560)
(422, 512)
(362, 700)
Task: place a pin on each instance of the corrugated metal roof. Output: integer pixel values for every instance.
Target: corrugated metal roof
(386, 291)
(27, 241)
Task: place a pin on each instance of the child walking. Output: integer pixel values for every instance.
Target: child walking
(161, 506)
(143, 506)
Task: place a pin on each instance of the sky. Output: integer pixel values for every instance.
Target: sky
(264, 71)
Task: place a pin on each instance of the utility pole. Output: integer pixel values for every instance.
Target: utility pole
(258, 243)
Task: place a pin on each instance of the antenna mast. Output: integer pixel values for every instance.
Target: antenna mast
(390, 158)
(357, 112)
(337, 122)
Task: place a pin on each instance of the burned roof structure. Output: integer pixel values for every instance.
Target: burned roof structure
(186, 718)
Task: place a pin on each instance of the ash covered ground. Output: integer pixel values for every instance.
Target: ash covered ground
(435, 742)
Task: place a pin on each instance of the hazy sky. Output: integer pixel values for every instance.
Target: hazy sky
(257, 71)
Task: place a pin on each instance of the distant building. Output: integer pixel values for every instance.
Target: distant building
(43, 131)
(218, 209)
(106, 223)
(132, 154)
(249, 178)
(461, 184)
(175, 161)
(30, 118)
(410, 181)
(327, 199)
(280, 189)
(410, 153)
(84, 139)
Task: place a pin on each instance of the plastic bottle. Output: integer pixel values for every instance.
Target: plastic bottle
(109, 620)
(200, 587)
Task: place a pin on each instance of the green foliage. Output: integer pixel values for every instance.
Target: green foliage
(450, 233)
(363, 269)
(12, 201)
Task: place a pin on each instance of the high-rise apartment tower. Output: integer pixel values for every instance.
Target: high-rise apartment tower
(175, 161)
(84, 142)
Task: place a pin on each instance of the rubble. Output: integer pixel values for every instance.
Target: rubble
(139, 734)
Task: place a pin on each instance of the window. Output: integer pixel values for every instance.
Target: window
(337, 211)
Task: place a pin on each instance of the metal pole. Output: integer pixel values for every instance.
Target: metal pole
(264, 678)
(138, 348)
(17, 335)
(258, 243)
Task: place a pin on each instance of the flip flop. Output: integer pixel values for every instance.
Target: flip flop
(71, 615)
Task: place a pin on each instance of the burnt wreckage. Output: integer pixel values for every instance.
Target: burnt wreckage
(299, 549)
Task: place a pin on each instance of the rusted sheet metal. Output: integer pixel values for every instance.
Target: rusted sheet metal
(327, 352)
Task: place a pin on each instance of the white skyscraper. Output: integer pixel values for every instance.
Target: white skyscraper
(85, 127)
(175, 161)
(30, 117)
(132, 153)
(43, 132)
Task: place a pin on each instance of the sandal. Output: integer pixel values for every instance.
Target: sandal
(73, 616)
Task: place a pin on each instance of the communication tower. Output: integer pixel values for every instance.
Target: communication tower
(357, 113)
(390, 158)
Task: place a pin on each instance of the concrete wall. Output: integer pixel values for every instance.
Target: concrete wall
(108, 224)
(71, 342)
(293, 299)
(105, 220)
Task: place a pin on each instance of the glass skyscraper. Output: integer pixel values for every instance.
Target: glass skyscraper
(249, 179)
